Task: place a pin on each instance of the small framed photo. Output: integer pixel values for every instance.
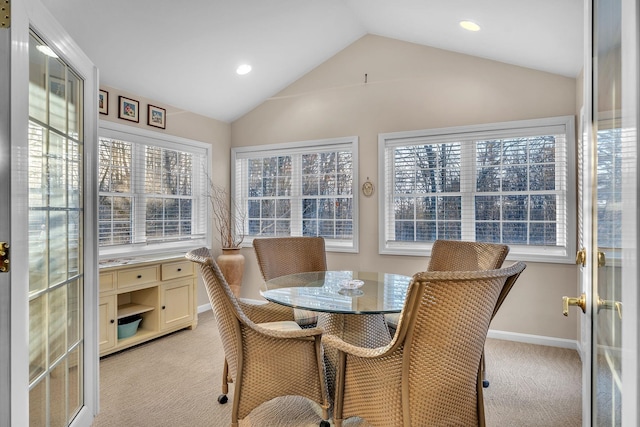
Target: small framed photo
(103, 102)
(129, 109)
(56, 87)
(156, 116)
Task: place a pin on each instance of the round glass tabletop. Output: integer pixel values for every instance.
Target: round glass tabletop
(355, 292)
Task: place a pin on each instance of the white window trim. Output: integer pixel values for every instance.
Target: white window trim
(132, 134)
(331, 245)
(561, 254)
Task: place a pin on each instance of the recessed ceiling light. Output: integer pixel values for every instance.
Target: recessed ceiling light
(243, 69)
(46, 50)
(470, 25)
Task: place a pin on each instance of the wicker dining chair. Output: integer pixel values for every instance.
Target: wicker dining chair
(456, 255)
(452, 255)
(263, 360)
(279, 256)
(428, 374)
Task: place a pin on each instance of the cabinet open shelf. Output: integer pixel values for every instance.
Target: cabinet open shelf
(131, 309)
(140, 335)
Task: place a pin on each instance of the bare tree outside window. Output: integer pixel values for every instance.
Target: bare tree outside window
(457, 184)
(146, 194)
(300, 189)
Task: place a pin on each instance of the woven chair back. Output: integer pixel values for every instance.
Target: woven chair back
(225, 307)
(444, 341)
(279, 256)
(453, 255)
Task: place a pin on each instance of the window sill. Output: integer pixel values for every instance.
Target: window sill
(555, 255)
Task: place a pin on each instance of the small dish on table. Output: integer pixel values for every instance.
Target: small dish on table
(351, 287)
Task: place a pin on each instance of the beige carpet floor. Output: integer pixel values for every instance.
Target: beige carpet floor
(175, 381)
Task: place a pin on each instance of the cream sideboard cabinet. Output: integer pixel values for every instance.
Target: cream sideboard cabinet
(162, 292)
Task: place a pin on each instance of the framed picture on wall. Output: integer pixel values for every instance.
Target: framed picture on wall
(103, 102)
(60, 90)
(129, 109)
(156, 116)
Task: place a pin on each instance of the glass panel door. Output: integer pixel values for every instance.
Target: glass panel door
(55, 206)
(48, 156)
(611, 150)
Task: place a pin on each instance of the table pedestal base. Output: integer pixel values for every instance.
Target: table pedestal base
(363, 330)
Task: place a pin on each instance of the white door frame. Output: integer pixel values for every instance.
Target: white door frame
(26, 14)
(586, 141)
(19, 108)
(5, 228)
(630, 212)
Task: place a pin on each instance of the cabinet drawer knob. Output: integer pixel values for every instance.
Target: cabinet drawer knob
(139, 276)
(112, 321)
(163, 307)
(179, 269)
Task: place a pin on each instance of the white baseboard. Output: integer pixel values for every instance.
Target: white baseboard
(204, 307)
(533, 339)
(499, 335)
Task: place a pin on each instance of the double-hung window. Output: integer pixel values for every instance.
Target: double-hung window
(152, 191)
(511, 183)
(299, 189)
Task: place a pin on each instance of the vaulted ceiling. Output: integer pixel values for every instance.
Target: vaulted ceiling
(185, 54)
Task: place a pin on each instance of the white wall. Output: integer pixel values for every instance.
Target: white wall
(413, 87)
(184, 124)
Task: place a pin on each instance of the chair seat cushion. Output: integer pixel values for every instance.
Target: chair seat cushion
(305, 317)
(302, 317)
(392, 319)
(254, 301)
(285, 325)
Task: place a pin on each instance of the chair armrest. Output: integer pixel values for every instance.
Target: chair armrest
(264, 311)
(350, 349)
(288, 334)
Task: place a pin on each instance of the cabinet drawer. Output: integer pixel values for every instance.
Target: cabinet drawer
(137, 276)
(106, 282)
(173, 270)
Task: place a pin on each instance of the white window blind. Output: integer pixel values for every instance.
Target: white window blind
(509, 183)
(152, 191)
(299, 189)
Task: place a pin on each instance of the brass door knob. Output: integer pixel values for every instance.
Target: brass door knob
(610, 305)
(581, 257)
(580, 302)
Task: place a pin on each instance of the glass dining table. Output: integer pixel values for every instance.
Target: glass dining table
(350, 304)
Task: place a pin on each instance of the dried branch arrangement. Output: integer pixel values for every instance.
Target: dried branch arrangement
(228, 217)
